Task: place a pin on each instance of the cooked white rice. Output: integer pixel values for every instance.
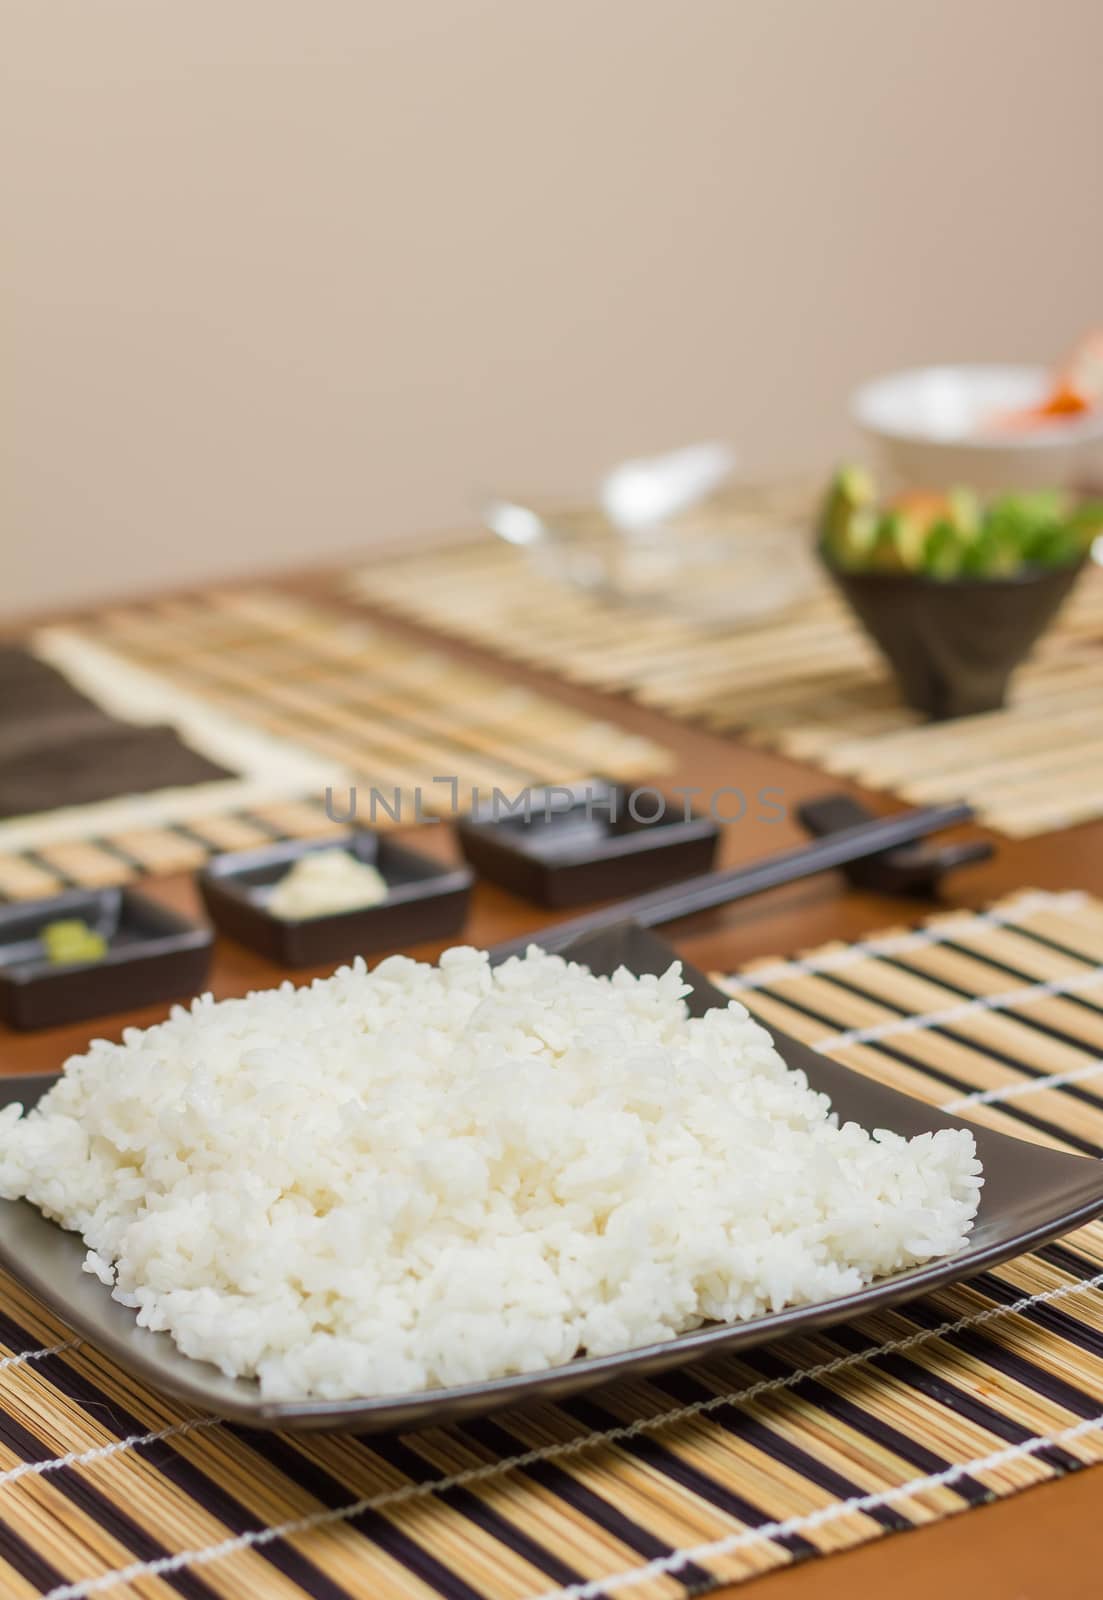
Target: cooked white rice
(433, 1175)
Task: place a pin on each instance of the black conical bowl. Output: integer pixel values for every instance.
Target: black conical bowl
(954, 643)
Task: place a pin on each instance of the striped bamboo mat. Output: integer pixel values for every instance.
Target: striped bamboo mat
(807, 683)
(658, 1488)
(328, 700)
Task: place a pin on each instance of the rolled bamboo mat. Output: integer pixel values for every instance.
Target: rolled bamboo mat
(355, 704)
(662, 1487)
(806, 682)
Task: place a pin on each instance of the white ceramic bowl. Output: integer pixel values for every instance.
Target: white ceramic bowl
(933, 427)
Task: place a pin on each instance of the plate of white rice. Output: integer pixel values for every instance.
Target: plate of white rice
(421, 1192)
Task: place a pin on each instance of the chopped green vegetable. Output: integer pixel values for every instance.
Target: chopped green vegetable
(944, 551)
(70, 941)
(965, 511)
(855, 486)
(900, 539)
(994, 553)
(848, 523)
(945, 536)
(1087, 519)
(1055, 545)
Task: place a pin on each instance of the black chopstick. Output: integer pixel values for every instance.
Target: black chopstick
(713, 889)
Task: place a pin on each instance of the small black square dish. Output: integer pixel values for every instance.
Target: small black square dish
(152, 954)
(426, 900)
(587, 841)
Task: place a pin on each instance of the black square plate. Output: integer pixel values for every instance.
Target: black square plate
(1030, 1194)
(152, 955)
(581, 842)
(425, 901)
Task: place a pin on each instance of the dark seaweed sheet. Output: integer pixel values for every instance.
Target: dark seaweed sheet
(58, 748)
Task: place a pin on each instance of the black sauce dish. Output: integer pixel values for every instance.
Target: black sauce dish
(153, 954)
(426, 900)
(588, 841)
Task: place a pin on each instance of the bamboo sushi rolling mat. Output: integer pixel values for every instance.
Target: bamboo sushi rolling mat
(667, 1486)
(806, 682)
(327, 701)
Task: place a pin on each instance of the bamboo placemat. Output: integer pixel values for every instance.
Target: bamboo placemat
(656, 1488)
(807, 683)
(351, 703)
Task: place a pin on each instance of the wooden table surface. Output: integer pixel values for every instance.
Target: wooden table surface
(1045, 1542)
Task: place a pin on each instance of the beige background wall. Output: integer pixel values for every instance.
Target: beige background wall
(281, 279)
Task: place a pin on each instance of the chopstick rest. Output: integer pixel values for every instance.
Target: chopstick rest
(909, 869)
